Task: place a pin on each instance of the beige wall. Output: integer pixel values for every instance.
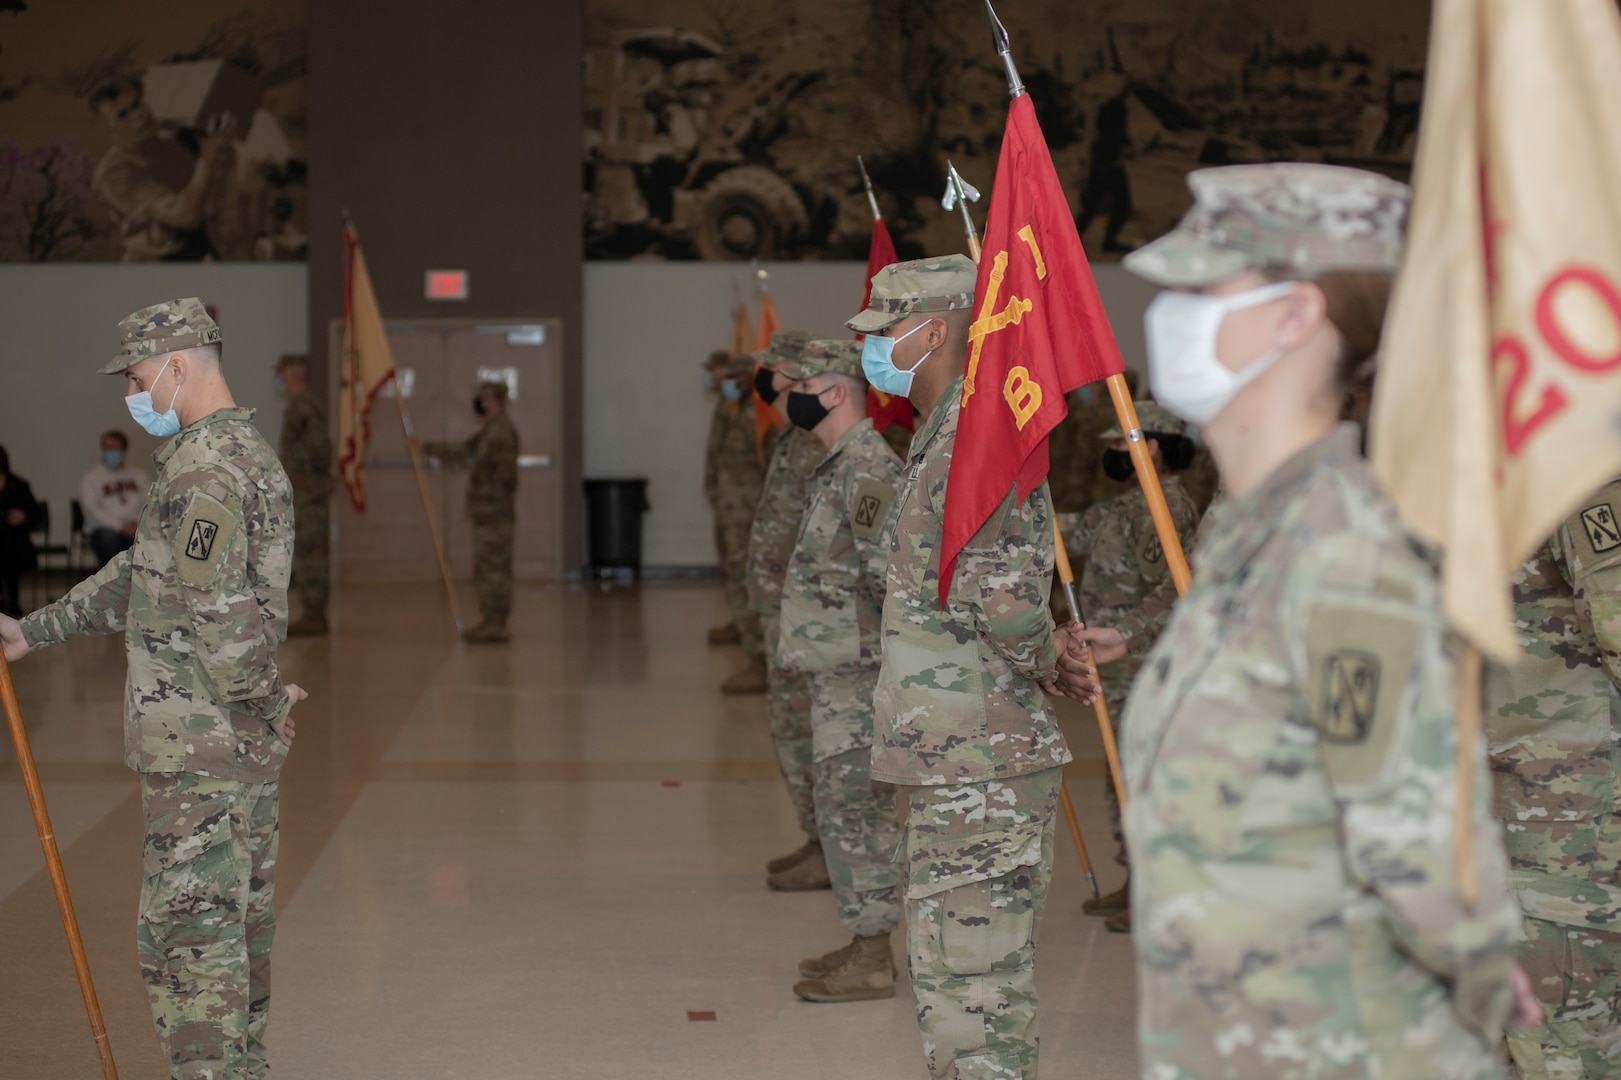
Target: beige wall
(61, 325)
(648, 326)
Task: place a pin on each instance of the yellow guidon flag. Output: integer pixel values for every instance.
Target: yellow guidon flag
(368, 366)
(1498, 404)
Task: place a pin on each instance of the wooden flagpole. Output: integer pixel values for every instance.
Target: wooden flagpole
(53, 866)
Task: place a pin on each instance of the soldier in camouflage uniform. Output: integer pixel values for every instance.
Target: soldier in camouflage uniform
(1076, 476)
(962, 722)
(794, 457)
(201, 600)
(733, 475)
(1289, 746)
(1554, 728)
(831, 606)
(491, 457)
(1119, 561)
(306, 454)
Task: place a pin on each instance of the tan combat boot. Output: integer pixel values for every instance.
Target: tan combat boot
(751, 680)
(818, 966)
(806, 875)
(812, 846)
(485, 633)
(867, 974)
(725, 635)
(1109, 904)
(1119, 923)
(309, 624)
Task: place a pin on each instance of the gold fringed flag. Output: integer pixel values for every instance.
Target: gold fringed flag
(368, 366)
(1498, 404)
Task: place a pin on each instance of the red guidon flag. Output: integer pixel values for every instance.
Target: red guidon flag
(1039, 331)
(368, 366)
(885, 409)
(1497, 411)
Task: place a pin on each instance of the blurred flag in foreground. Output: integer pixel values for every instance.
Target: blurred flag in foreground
(367, 367)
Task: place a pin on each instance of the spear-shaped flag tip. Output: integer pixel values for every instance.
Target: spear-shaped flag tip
(957, 188)
(866, 182)
(1015, 86)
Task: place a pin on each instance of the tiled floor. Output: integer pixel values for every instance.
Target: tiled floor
(521, 861)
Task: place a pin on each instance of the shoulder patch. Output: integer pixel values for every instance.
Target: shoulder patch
(203, 539)
(1150, 556)
(1603, 533)
(1359, 663)
(870, 508)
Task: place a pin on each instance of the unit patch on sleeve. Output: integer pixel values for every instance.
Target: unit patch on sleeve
(203, 541)
(1350, 695)
(870, 508)
(1602, 530)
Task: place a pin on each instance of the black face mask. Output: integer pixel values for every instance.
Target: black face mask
(763, 387)
(806, 410)
(1117, 465)
(478, 405)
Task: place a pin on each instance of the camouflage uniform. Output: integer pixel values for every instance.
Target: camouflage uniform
(1290, 745)
(832, 603)
(306, 454)
(201, 599)
(491, 457)
(962, 722)
(1554, 725)
(794, 458)
(733, 477)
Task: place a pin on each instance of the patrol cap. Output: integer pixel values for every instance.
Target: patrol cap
(1151, 416)
(943, 283)
(825, 355)
(1300, 217)
(720, 358)
(786, 345)
(161, 329)
(492, 386)
(292, 360)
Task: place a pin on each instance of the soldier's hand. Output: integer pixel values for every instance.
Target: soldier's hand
(11, 637)
(1527, 1010)
(1075, 679)
(284, 730)
(1108, 645)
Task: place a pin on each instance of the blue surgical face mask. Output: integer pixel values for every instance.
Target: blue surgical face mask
(140, 407)
(731, 391)
(877, 361)
(112, 458)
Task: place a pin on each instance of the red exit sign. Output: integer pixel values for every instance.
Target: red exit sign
(446, 285)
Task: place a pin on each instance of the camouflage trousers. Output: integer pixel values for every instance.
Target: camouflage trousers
(1575, 972)
(312, 539)
(492, 567)
(732, 525)
(206, 921)
(978, 861)
(788, 712)
(855, 816)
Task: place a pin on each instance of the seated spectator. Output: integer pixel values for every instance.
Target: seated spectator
(19, 515)
(111, 495)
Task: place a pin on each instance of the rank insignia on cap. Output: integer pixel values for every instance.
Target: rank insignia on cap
(1350, 693)
(1602, 530)
(200, 545)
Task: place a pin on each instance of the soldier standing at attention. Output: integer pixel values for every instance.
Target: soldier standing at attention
(491, 457)
(1290, 743)
(794, 458)
(1553, 723)
(1119, 562)
(733, 476)
(961, 719)
(832, 602)
(306, 454)
(201, 600)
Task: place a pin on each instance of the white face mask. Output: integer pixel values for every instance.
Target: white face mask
(1184, 371)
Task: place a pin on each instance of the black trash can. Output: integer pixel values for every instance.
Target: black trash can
(613, 514)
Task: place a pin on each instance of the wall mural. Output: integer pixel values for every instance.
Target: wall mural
(152, 130)
(728, 129)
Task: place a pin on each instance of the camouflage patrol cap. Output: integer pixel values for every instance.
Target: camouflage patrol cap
(720, 358)
(292, 360)
(492, 386)
(1151, 416)
(161, 329)
(786, 345)
(825, 355)
(944, 283)
(1299, 217)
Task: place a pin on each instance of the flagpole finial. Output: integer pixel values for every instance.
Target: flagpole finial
(1015, 85)
(866, 181)
(761, 275)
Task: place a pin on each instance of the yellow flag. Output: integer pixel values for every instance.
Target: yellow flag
(1498, 405)
(742, 333)
(368, 366)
